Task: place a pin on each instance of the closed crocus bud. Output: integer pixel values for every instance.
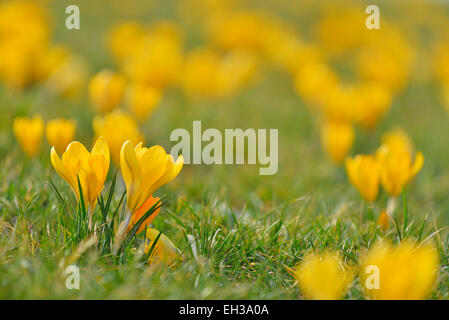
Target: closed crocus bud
(363, 172)
(337, 139)
(323, 276)
(60, 132)
(382, 221)
(402, 272)
(163, 250)
(28, 132)
(91, 168)
(106, 90)
(142, 99)
(117, 127)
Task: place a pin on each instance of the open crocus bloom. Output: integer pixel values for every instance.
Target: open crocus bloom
(144, 170)
(90, 168)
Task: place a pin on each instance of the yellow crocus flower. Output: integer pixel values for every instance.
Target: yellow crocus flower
(91, 168)
(144, 170)
(323, 277)
(106, 126)
(29, 131)
(402, 272)
(397, 164)
(163, 251)
(142, 99)
(363, 172)
(337, 139)
(397, 169)
(398, 141)
(375, 101)
(60, 132)
(106, 90)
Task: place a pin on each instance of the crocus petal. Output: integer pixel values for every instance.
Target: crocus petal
(101, 148)
(417, 165)
(132, 173)
(62, 170)
(172, 171)
(147, 205)
(75, 150)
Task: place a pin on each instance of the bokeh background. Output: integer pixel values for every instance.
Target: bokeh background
(275, 62)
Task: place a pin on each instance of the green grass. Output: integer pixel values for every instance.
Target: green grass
(247, 229)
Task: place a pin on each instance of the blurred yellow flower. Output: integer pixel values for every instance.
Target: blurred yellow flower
(341, 29)
(323, 276)
(209, 74)
(24, 37)
(69, 78)
(124, 39)
(91, 168)
(144, 170)
(314, 78)
(244, 30)
(142, 99)
(106, 90)
(397, 163)
(386, 58)
(363, 172)
(117, 127)
(375, 101)
(337, 139)
(398, 141)
(163, 251)
(402, 272)
(28, 132)
(60, 132)
(158, 60)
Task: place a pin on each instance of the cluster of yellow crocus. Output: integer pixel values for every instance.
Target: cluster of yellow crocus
(393, 165)
(382, 64)
(29, 132)
(26, 54)
(144, 170)
(400, 272)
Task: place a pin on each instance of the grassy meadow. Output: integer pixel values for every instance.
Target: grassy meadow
(239, 234)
